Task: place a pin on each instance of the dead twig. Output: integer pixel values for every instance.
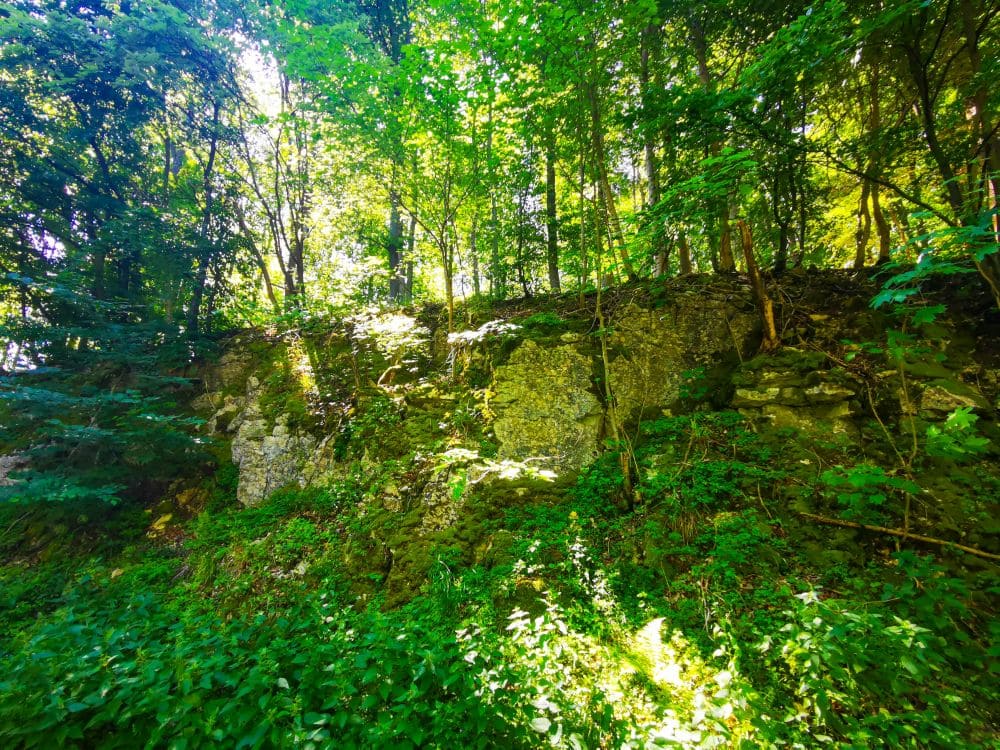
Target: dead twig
(899, 533)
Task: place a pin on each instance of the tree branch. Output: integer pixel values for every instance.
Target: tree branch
(900, 533)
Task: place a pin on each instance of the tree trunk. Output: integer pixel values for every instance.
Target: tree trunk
(989, 187)
(684, 254)
(411, 241)
(584, 255)
(447, 257)
(204, 251)
(725, 262)
(771, 340)
(604, 184)
(394, 243)
(649, 41)
(551, 218)
(863, 233)
(781, 259)
(498, 280)
(925, 108)
(165, 195)
(474, 253)
(100, 256)
(881, 227)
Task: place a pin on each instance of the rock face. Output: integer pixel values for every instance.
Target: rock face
(545, 406)
(269, 456)
(941, 397)
(658, 348)
(242, 404)
(7, 465)
(793, 390)
(540, 389)
(546, 400)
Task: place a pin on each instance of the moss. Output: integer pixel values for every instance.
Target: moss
(924, 369)
(787, 358)
(403, 555)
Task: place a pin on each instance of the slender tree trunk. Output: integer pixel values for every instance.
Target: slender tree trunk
(925, 108)
(474, 253)
(551, 218)
(411, 241)
(604, 183)
(613, 421)
(165, 188)
(97, 289)
(448, 265)
(771, 340)
(394, 244)
(989, 183)
(800, 191)
(649, 42)
(204, 252)
(584, 255)
(684, 254)
(781, 258)
(881, 227)
(725, 261)
(863, 232)
(498, 281)
(901, 223)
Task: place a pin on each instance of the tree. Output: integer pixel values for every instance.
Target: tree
(94, 97)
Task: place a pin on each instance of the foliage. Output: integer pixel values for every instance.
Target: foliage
(860, 677)
(690, 478)
(957, 437)
(98, 423)
(864, 491)
(174, 169)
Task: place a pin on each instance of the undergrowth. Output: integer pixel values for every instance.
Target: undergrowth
(693, 619)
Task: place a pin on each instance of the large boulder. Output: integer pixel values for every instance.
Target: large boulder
(546, 408)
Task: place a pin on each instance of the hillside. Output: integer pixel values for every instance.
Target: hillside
(601, 520)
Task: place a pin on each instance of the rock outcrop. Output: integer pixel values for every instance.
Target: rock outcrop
(795, 389)
(532, 392)
(546, 408)
(270, 455)
(657, 349)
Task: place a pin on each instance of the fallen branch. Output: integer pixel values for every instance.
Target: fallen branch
(900, 533)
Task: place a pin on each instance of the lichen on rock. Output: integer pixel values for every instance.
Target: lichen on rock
(657, 347)
(546, 408)
(269, 453)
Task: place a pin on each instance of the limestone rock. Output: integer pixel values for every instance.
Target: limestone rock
(8, 464)
(658, 346)
(222, 419)
(545, 406)
(790, 390)
(269, 456)
(230, 372)
(942, 397)
(441, 507)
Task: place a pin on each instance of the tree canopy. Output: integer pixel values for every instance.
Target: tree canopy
(212, 164)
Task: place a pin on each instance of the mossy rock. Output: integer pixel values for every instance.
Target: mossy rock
(788, 358)
(944, 395)
(545, 406)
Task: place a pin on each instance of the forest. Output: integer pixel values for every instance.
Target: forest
(493, 373)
